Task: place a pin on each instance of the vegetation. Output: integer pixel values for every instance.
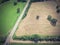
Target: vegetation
(18, 10)
(35, 44)
(8, 17)
(37, 38)
(53, 21)
(37, 0)
(4, 1)
(58, 9)
(15, 3)
(37, 17)
(18, 0)
(21, 0)
(25, 14)
(0, 1)
(49, 17)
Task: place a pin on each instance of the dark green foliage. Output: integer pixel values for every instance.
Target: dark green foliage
(37, 38)
(53, 22)
(2, 39)
(21, 0)
(4, 1)
(15, 3)
(37, 0)
(34, 38)
(24, 38)
(18, 10)
(49, 17)
(21, 37)
(25, 14)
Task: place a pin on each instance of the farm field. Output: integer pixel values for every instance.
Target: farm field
(8, 16)
(35, 44)
(30, 25)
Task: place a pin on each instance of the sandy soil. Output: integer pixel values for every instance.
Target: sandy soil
(30, 25)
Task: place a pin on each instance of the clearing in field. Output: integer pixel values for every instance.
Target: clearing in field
(36, 20)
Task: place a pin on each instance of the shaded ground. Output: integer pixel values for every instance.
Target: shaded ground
(30, 25)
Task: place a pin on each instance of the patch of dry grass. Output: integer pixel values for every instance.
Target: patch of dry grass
(30, 25)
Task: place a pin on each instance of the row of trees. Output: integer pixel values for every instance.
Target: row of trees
(15, 1)
(37, 38)
(22, 0)
(4, 1)
(37, 0)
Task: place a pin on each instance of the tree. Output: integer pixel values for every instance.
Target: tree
(15, 3)
(4, 1)
(18, 10)
(35, 38)
(37, 17)
(21, 0)
(49, 18)
(53, 22)
(58, 9)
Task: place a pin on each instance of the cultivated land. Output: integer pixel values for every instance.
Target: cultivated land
(30, 25)
(8, 16)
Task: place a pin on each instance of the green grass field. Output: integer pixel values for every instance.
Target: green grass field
(8, 16)
(35, 44)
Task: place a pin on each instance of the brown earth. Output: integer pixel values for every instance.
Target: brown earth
(30, 25)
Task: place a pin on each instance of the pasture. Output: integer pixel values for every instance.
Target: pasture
(8, 17)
